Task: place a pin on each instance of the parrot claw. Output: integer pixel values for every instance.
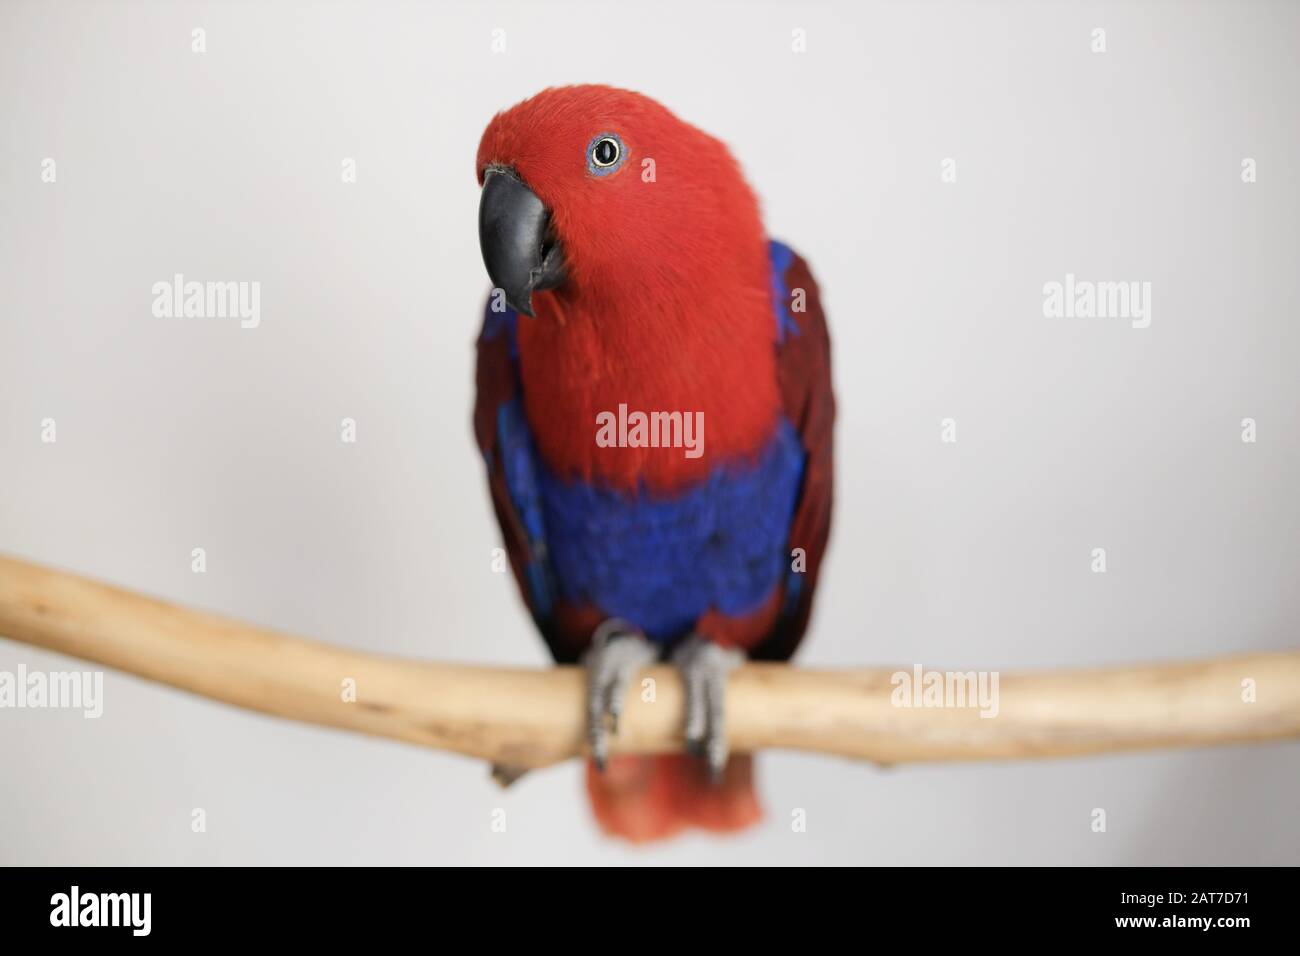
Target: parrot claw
(704, 667)
(618, 650)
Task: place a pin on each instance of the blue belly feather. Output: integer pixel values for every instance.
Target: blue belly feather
(662, 562)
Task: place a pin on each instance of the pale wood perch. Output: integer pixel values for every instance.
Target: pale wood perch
(531, 718)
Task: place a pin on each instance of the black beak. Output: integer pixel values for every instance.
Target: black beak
(521, 253)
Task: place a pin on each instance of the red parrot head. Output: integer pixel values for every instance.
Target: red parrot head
(600, 195)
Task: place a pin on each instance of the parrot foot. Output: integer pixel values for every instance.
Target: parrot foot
(618, 650)
(704, 667)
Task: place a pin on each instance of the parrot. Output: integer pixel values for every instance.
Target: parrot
(633, 284)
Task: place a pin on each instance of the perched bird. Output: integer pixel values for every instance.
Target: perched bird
(654, 406)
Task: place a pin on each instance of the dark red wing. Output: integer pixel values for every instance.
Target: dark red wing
(497, 386)
(506, 444)
(804, 370)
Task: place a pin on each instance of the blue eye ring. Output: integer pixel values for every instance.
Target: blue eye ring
(598, 150)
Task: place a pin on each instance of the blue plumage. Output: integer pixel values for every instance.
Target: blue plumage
(779, 256)
(664, 562)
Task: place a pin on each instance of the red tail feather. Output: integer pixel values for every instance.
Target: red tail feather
(652, 798)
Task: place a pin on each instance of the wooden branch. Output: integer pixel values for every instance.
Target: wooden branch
(531, 718)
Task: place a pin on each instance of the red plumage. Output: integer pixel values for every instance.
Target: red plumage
(675, 312)
(668, 305)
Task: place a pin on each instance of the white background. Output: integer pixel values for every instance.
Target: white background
(1072, 434)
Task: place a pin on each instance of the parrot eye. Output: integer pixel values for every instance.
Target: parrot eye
(604, 154)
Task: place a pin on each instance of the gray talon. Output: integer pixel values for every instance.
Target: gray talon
(618, 650)
(704, 667)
